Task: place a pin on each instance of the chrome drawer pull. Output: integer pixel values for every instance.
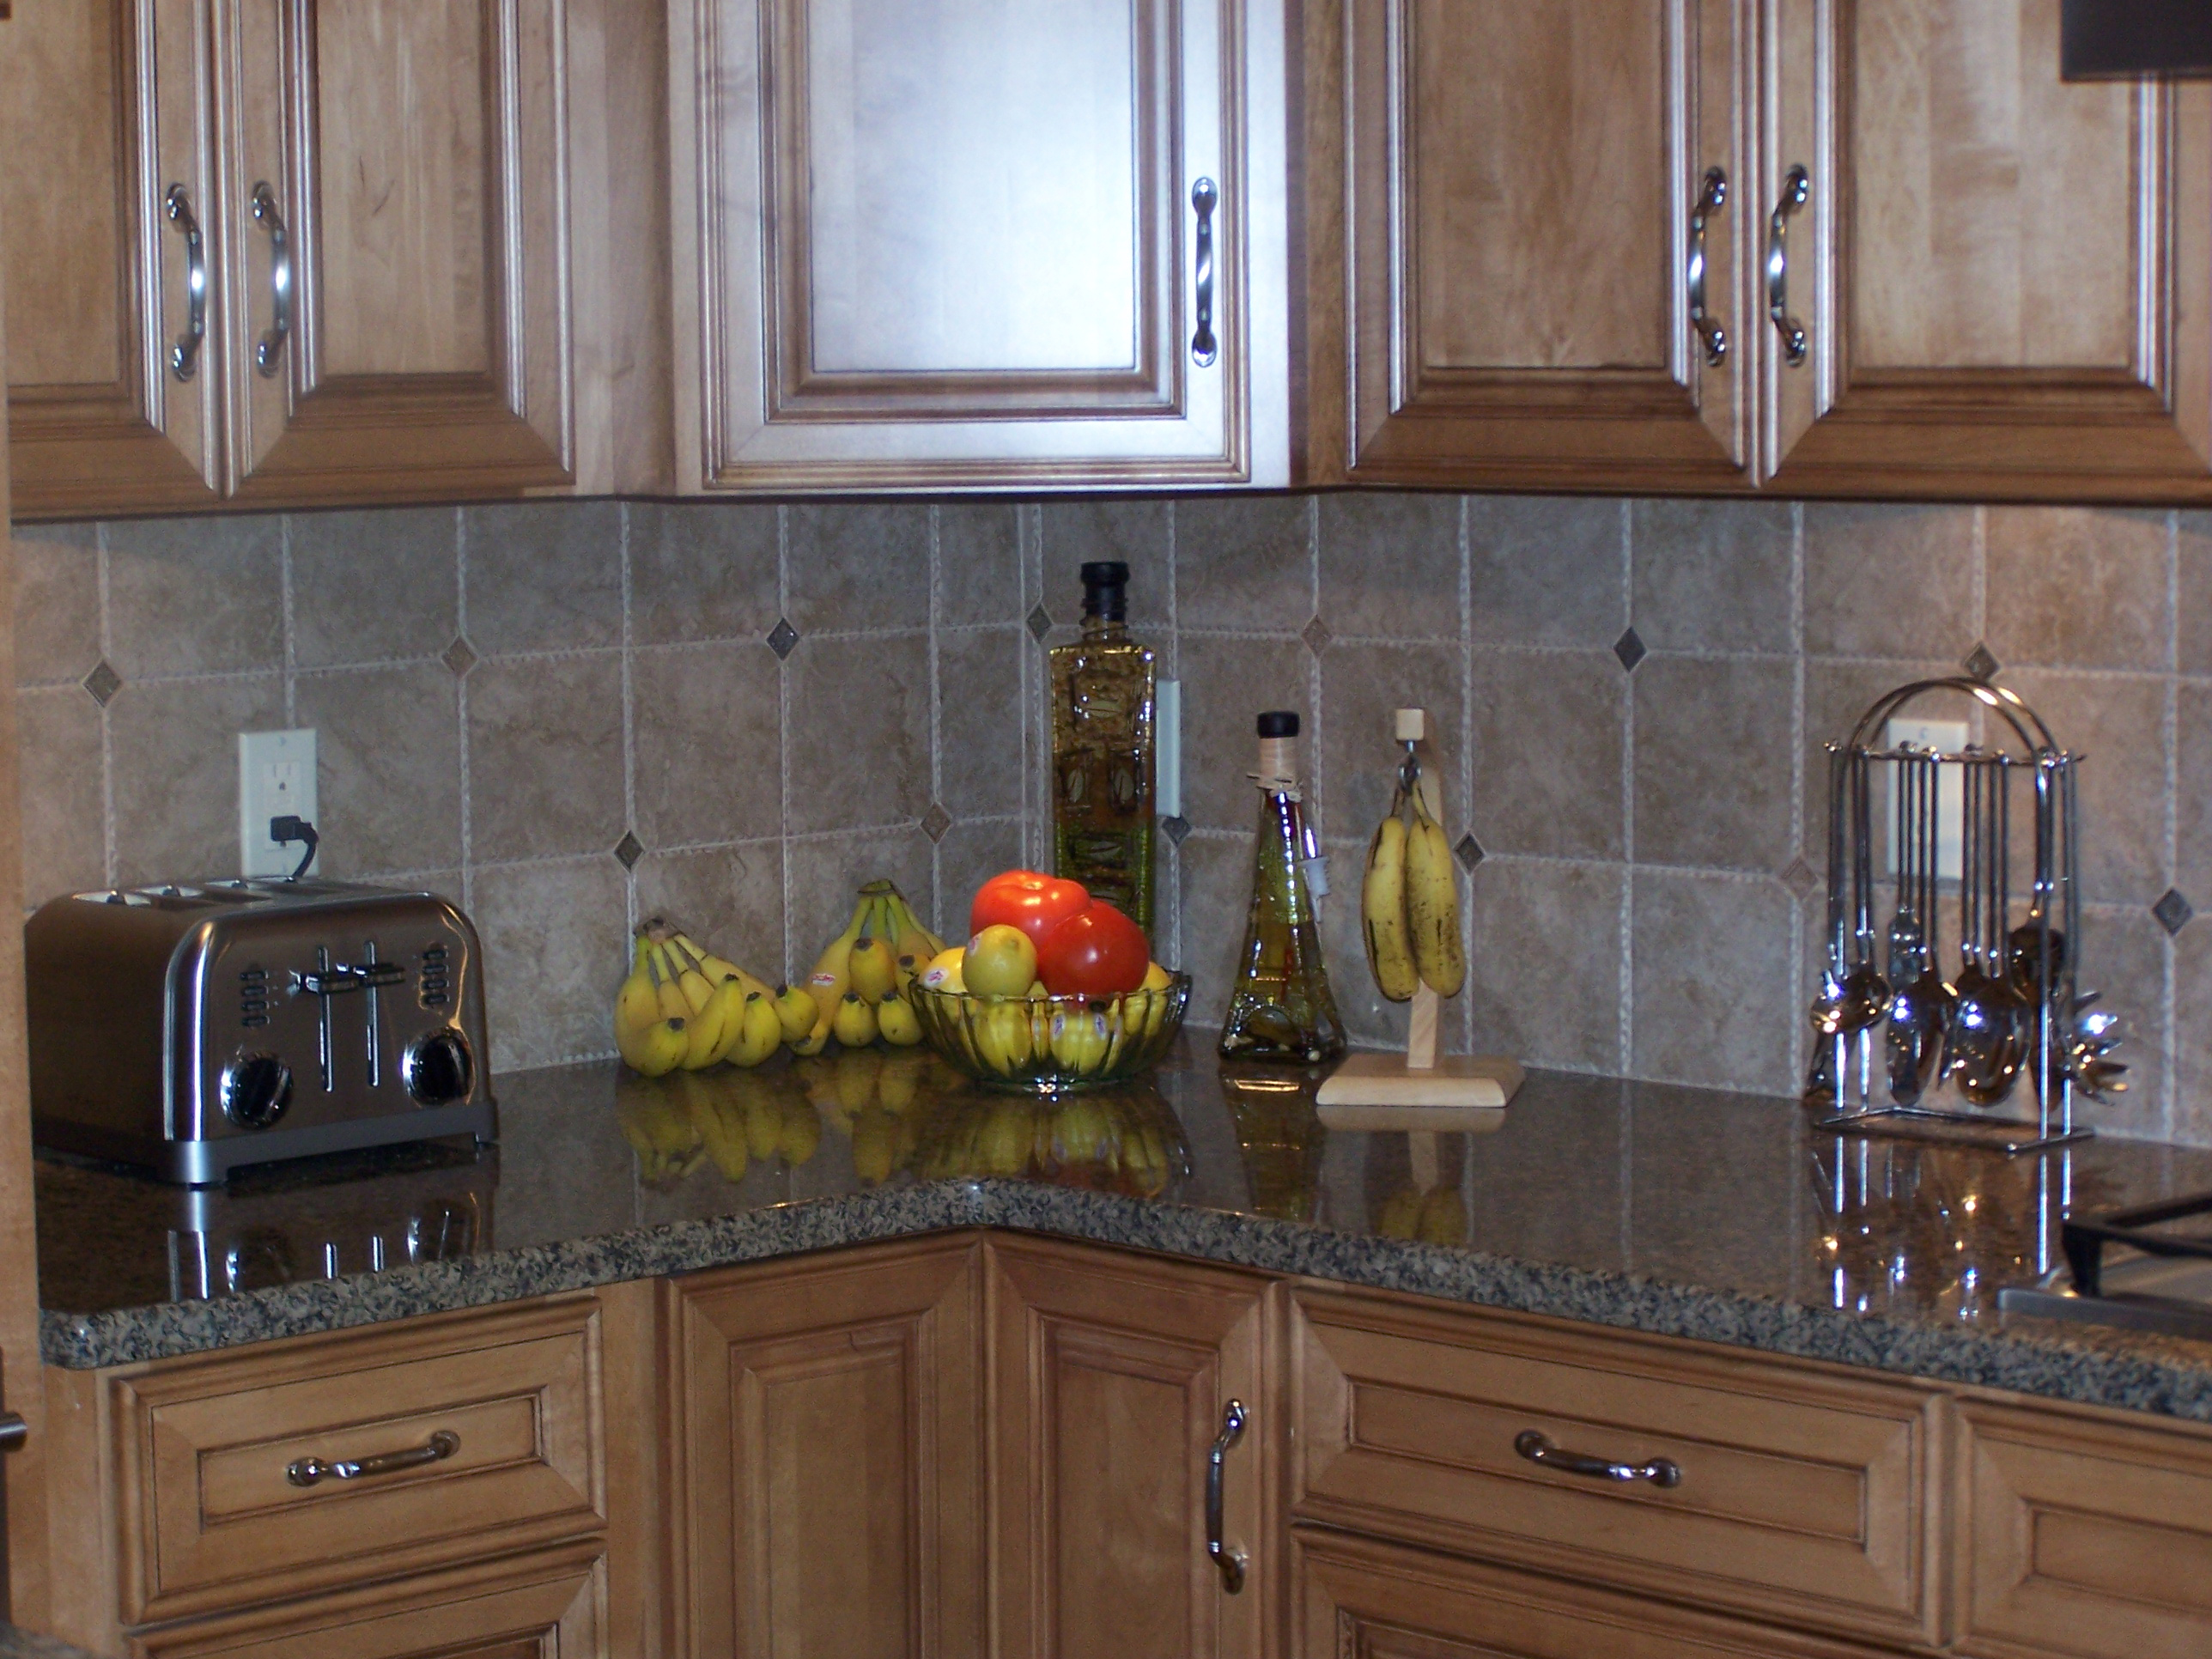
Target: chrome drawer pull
(1231, 1561)
(1204, 196)
(1795, 186)
(1660, 1471)
(1712, 197)
(308, 1471)
(185, 355)
(270, 346)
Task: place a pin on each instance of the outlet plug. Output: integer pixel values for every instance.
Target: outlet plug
(275, 780)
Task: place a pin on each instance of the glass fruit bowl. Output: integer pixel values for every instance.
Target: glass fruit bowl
(1050, 1045)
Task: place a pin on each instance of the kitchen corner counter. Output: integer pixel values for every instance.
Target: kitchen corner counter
(22, 1644)
(1724, 1218)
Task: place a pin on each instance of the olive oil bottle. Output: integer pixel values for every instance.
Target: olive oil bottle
(1102, 751)
(1282, 1008)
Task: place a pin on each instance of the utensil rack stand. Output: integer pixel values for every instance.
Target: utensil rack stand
(1900, 1048)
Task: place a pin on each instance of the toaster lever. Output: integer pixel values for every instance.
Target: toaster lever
(341, 977)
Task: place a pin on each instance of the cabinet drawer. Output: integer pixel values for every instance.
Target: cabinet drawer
(1800, 1495)
(2084, 1538)
(1355, 1597)
(478, 1434)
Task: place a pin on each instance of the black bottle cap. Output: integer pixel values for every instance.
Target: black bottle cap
(1106, 590)
(1278, 723)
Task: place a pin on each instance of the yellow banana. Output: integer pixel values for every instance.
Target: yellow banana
(722, 1127)
(1079, 1040)
(637, 1005)
(800, 1133)
(896, 1023)
(659, 1049)
(1382, 911)
(673, 1003)
(714, 1029)
(688, 979)
(874, 970)
(1432, 904)
(912, 938)
(760, 1030)
(718, 968)
(875, 1145)
(832, 974)
(856, 1024)
(794, 1012)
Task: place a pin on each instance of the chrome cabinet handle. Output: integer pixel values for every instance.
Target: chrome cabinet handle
(308, 1471)
(1537, 1448)
(1231, 1561)
(1203, 347)
(1712, 195)
(14, 1431)
(185, 355)
(1795, 188)
(270, 347)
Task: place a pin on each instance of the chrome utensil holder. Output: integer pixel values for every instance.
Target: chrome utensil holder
(1907, 1044)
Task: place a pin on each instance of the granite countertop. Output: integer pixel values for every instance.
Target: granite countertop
(1683, 1213)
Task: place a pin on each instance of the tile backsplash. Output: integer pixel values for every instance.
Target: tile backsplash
(569, 715)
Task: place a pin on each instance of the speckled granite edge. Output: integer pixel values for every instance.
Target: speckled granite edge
(2144, 1375)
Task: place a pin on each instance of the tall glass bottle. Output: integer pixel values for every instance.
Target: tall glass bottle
(1282, 1008)
(1102, 751)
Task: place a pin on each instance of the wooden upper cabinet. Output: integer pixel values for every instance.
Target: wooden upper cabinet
(1112, 1378)
(105, 118)
(1527, 198)
(2002, 277)
(955, 242)
(395, 264)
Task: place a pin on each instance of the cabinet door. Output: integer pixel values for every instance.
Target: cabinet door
(1111, 1377)
(105, 118)
(2002, 277)
(946, 242)
(1525, 184)
(399, 288)
(828, 1432)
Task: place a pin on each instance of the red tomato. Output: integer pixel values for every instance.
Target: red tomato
(1094, 953)
(1022, 898)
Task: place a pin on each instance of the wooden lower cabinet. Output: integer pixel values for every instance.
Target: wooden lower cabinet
(1111, 1377)
(825, 1448)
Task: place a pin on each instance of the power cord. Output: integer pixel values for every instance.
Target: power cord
(288, 828)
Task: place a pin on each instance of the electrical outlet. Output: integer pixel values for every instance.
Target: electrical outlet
(1947, 738)
(276, 778)
(1167, 747)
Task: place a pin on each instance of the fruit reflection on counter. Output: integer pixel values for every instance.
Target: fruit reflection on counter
(1119, 1140)
(736, 1120)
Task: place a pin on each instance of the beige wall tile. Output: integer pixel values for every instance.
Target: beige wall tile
(63, 812)
(859, 736)
(388, 753)
(1389, 566)
(370, 586)
(1548, 728)
(860, 566)
(826, 874)
(1361, 687)
(970, 855)
(1885, 581)
(544, 575)
(553, 952)
(1217, 893)
(1137, 532)
(2077, 588)
(1545, 570)
(2192, 799)
(729, 899)
(545, 758)
(1712, 762)
(1244, 563)
(979, 721)
(57, 603)
(1544, 971)
(1711, 1000)
(1713, 575)
(2193, 608)
(2192, 1034)
(2124, 955)
(1836, 695)
(701, 571)
(1227, 683)
(176, 750)
(979, 569)
(2118, 726)
(195, 596)
(1369, 1020)
(709, 733)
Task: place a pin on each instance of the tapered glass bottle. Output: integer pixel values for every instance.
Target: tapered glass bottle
(1281, 1007)
(1103, 687)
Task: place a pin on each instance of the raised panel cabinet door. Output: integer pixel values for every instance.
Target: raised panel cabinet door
(1113, 1377)
(1545, 277)
(973, 242)
(827, 1439)
(113, 360)
(395, 203)
(2000, 279)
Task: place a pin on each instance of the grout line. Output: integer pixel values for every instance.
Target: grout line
(628, 716)
(783, 730)
(1800, 1056)
(1174, 660)
(2170, 1105)
(1627, 1006)
(461, 707)
(291, 640)
(1467, 748)
(937, 712)
(106, 726)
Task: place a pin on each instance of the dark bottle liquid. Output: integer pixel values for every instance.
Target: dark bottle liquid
(1101, 751)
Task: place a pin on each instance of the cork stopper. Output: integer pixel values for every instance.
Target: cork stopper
(1411, 725)
(1278, 750)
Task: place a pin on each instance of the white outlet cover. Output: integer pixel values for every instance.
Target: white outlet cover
(1944, 737)
(275, 777)
(1167, 747)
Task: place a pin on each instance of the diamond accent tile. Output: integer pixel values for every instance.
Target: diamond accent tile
(935, 822)
(781, 638)
(1981, 664)
(629, 849)
(1629, 649)
(1176, 828)
(1040, 623)
(1468, 852)
(1798, 877)
(2174, 911)
(459, 656)
(102, 683)
(1317, 636)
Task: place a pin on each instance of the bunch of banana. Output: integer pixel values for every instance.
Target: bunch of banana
(859, 983)
(683, 1005)
(653, 1021)
(1409, 902)
(734, 1118)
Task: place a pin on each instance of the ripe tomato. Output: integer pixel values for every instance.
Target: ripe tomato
(1096, 952)
(1022, 898)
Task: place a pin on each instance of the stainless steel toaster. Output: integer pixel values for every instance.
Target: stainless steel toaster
(191, 1029)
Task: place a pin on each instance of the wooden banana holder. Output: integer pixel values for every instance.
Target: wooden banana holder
(1420, 1089)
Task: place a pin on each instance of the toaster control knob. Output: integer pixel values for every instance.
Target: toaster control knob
(438, 1067)
(256, 1089)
